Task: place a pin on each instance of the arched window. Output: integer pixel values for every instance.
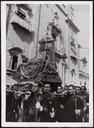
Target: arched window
(14, 62)
(14, 59)
(73, 73)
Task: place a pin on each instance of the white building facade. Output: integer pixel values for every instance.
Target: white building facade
(28, 24)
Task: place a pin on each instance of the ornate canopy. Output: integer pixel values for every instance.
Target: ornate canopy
(37, 70)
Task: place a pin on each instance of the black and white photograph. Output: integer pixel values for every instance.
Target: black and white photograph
(47, 56)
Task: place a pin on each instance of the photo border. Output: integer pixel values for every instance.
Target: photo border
(3, 68)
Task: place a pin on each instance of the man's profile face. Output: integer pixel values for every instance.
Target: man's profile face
(35, 87)
(46, 88)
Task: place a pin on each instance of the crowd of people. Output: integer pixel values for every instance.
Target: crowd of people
(41, 104)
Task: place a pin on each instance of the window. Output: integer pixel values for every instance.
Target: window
(15, 54)
(73, 44)
(72, 41)
(21, 13)
(84, 61)
(73, 73)
(85, 83)
(24, 12)
(14, 62)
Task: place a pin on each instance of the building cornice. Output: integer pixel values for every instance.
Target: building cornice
(72, 24)
(61, 10)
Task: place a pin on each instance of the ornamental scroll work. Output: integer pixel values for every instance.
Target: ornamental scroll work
(34, 69)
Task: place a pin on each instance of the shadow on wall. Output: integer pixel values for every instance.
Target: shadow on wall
(24, 34)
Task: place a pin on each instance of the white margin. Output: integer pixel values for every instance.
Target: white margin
(3, 67)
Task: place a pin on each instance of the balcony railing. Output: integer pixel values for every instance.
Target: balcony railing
(60, 53)
(22, 22)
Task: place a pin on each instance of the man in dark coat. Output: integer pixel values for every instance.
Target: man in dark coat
(59, 105)
(47, 113)
(78, 104)
(26, 106)
(69, 105)
(85, 99)
(11, 107)
(34, 103)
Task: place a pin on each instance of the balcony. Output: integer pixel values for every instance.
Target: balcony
(60, 54)
(73, 53)
(15, 19)
(56, 31)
